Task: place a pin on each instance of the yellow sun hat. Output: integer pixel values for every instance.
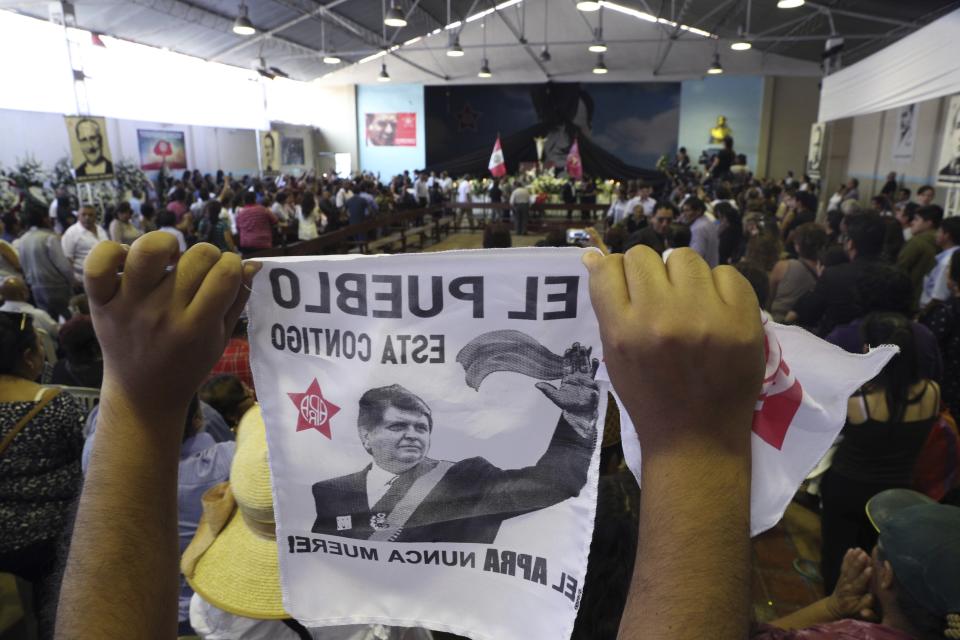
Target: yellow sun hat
(232, 560)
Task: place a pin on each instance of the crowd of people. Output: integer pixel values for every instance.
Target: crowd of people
(180, 419)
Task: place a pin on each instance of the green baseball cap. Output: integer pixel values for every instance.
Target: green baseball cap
(921, 540)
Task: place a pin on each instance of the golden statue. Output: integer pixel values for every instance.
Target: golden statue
(721, 131)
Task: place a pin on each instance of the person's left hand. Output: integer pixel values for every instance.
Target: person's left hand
(579, 394)
(851, 597)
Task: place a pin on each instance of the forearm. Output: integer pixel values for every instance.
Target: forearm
(691, 576)
(122, 570)
(819, 612)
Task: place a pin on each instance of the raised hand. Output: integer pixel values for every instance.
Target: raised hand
(578, 396)
(163, 322)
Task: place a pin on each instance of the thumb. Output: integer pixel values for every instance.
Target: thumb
(550, 391)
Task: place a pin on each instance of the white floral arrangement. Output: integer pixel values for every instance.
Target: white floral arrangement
(547, 184)
(9, 193)
(480, 186)
(129, 178)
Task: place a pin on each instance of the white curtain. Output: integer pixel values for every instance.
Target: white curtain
(921, 66)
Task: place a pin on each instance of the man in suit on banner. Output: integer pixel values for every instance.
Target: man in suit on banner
(405, 496)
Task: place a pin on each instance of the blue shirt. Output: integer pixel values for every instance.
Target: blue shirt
(203, 464)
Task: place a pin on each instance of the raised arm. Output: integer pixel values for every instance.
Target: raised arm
(160, 331)
(684, 351)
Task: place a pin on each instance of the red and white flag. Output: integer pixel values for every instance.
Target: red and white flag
(800, 411)
(497, 166)
(574, 166)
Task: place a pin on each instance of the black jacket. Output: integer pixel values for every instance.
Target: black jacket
(468, 504)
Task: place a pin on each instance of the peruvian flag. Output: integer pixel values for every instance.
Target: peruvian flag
(574, 166)
(498, 168)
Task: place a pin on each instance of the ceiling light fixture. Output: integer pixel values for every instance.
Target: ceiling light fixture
(715, 68)
(789, 4)
(545, 54)
(598, 45)
(484, 66)
(394, 17)
(742, 43)
(600, 68)
(584, 5)
(455, 50)
(485, 70)
(242, 25)
(331, 58)
(384, 76)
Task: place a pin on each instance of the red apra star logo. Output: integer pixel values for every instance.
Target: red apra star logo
(315, 410)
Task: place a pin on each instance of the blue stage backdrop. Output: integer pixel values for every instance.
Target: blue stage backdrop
(635, 122)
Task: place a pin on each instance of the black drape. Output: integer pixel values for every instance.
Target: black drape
(519, 147)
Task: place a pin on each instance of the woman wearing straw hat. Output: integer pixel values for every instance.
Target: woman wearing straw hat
(232, 562)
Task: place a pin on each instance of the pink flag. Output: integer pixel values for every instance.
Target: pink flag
(574, 167)
(498, 168)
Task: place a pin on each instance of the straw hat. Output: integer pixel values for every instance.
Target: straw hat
(232, 560)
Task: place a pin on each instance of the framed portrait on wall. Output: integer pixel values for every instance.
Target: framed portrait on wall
(391, 129)
(89, 150)
(291, 150)
(948, 165)
(162, 148)
(269, 148)
(905, 132)
(815, 150)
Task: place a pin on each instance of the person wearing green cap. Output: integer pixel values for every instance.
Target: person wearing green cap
(910, 582)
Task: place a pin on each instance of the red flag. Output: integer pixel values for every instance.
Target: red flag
(498, 168)
(574, 167)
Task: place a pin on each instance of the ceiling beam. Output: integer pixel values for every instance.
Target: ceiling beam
(861, 16)
(522, 41)
(275, 31)
(194, 13)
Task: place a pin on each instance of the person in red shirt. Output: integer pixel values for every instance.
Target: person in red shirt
(236, 356)
(254, 225)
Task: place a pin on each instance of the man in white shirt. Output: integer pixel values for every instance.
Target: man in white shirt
(463, 195)
(422, 190)
(935, 282)
(80, 238)
(15, 294)
(520, 203)
(446, 183)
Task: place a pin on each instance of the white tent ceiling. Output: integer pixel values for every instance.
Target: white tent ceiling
(638, 50)
(293, 35)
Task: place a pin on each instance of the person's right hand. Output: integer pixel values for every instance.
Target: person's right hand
(683, 346)
(851, 597)
(160, 330)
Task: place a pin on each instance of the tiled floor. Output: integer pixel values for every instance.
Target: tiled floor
(778, 588)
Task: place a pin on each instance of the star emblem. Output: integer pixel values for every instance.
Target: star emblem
(314, 410)
(468, 118)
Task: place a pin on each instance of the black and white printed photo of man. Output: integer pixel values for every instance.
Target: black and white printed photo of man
(951, 145)
(93, 161)
(404, 495)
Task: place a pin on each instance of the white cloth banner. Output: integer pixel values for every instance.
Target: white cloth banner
(432, 431)
(459, 496)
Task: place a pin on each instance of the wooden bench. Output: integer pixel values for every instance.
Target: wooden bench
(383, 245)
(444, 225)
(421, 233)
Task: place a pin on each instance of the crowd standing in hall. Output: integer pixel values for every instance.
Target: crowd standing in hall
(857, 275)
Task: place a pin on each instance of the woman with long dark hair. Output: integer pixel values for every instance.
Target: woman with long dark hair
(888, 420)
(42, 434)
(215, 227)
